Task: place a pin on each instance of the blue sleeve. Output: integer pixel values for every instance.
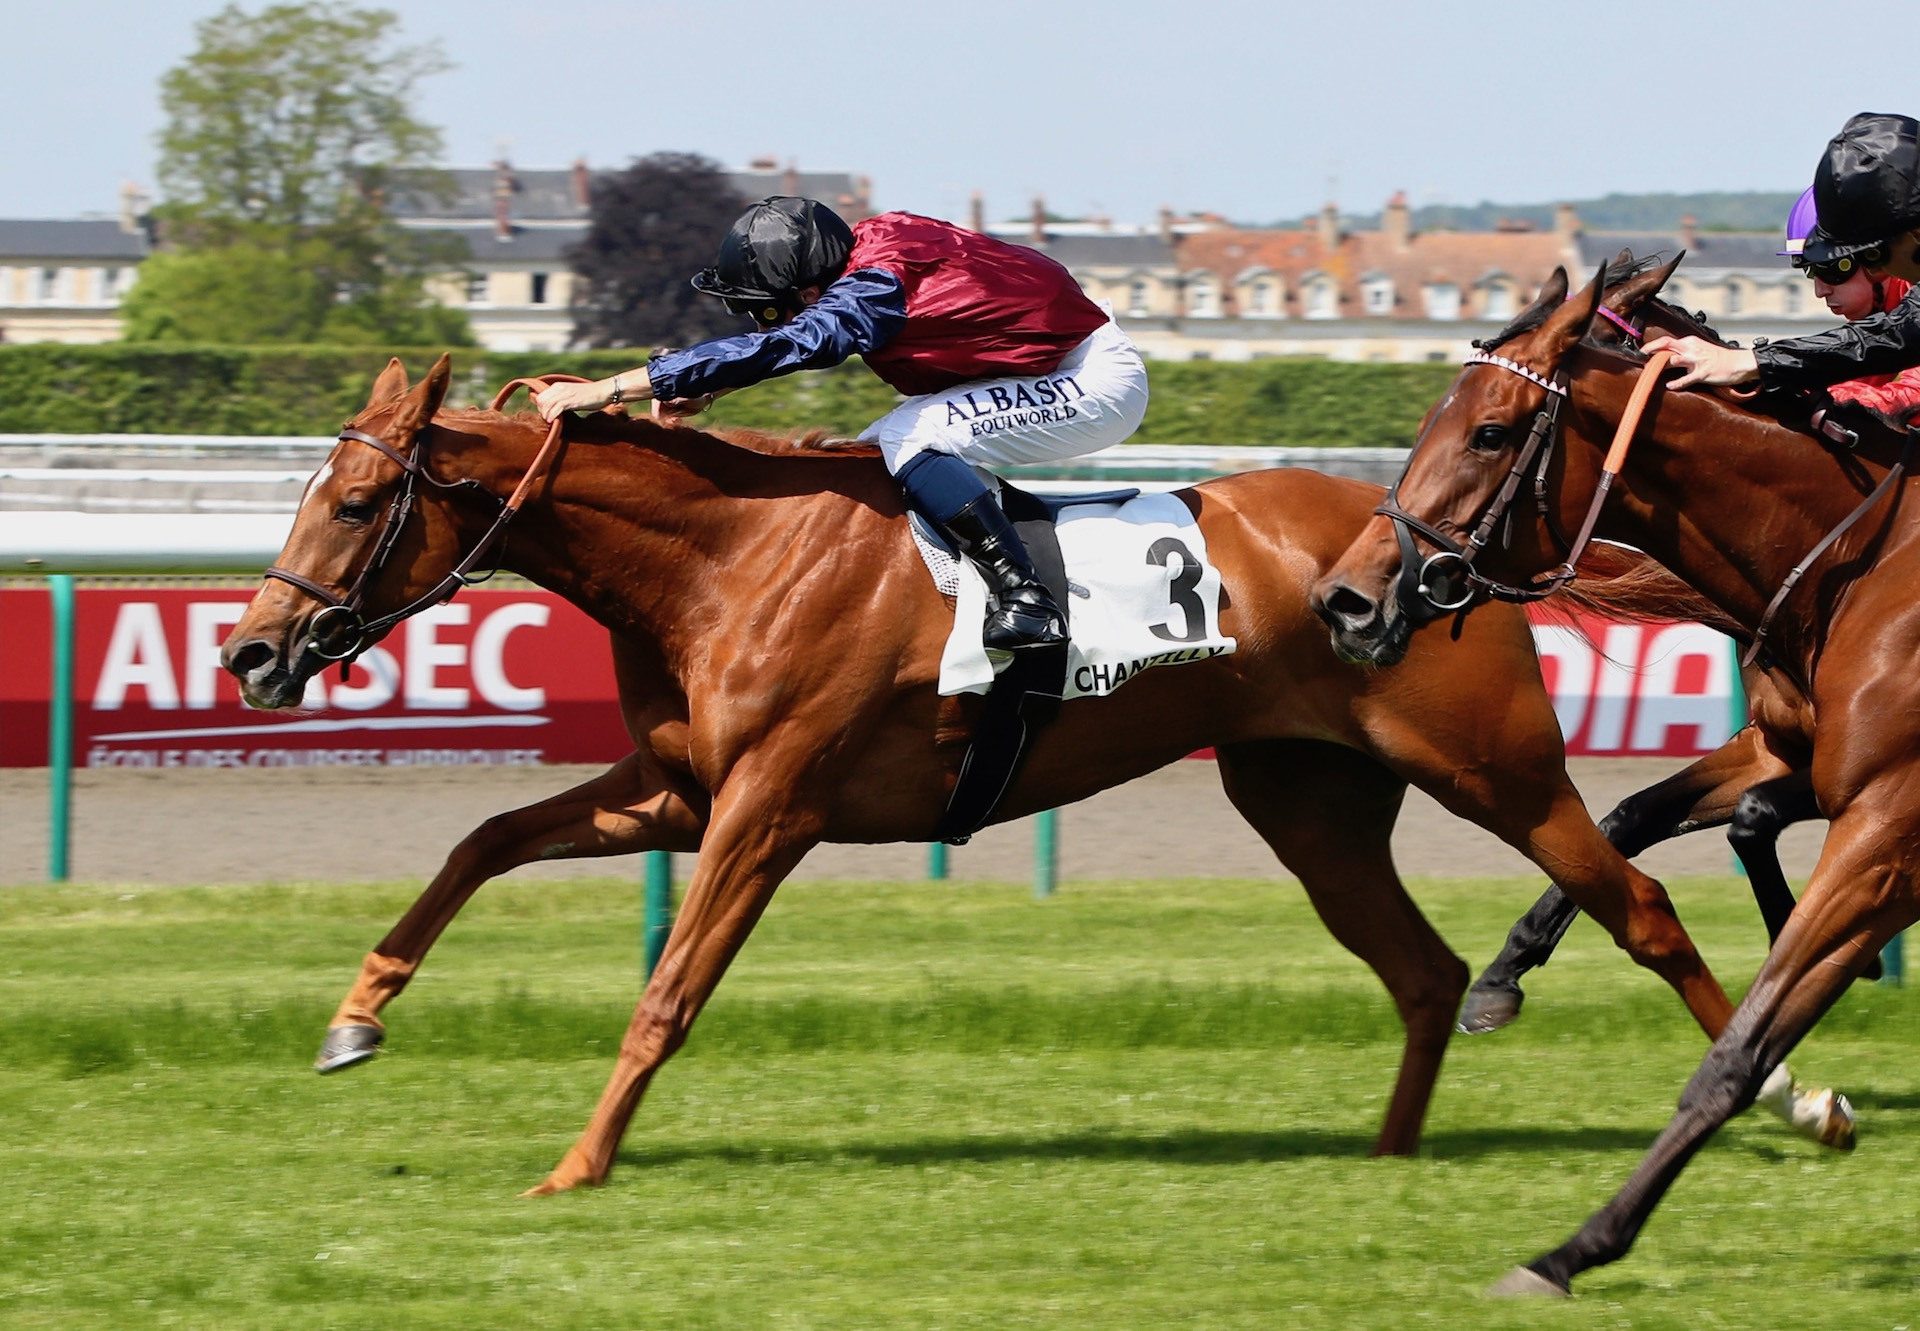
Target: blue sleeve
(861, 312)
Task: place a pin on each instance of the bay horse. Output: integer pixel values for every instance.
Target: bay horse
(1727, 494)
(1755, 785)
(776, 640)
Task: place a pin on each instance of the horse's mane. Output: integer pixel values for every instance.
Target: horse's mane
(602, 427)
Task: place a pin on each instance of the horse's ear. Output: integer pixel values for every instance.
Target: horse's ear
(1569, 321)
(1553, 291)
(424, 400)
(1626, 297)
(390, 382)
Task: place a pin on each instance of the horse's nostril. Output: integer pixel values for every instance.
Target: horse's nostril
(249, 657)
(1352, 608)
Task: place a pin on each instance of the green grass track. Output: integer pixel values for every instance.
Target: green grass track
(911, 1106)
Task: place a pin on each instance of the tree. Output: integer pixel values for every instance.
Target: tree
(285, 118)
(283, 130)
(652, 227)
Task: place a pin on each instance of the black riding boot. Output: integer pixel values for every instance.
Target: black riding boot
(1020, 611)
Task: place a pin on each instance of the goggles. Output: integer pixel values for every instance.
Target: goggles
(764, 313)
(1834, 274)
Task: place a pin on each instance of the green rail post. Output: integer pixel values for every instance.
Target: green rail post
(1893, 960)
(60, 732)
(937, 862)
(659, 906)
(1737, 700)
(1046, 853)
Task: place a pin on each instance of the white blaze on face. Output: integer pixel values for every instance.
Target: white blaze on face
(320, 478)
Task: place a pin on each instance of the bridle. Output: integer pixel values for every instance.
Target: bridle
(339, 631)
(1422, 585)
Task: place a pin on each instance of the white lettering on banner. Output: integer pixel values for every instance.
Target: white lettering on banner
(1662, 707)
(1613, 690)
(137, 658)
(375, 680)
(207, 623)
(489, 647)
(1572, 676)
(426, 654)
(1636, 688)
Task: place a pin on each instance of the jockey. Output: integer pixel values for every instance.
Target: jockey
(1854, 294)
(1868, 191)
(1002, 359)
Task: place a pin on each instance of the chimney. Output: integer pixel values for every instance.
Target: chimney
(582, 183)
(502, 200)
(977, 212)
(1566, 222)
(1689, 232)
(1039, 236)
(1396, 222)
(863, 191)
(790, 179)
(133, 207)
(1330, 228)
(1166, 224)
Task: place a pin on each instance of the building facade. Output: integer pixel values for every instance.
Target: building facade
(1185, 287)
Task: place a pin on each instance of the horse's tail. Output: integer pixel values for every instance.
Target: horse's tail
(1621, 583)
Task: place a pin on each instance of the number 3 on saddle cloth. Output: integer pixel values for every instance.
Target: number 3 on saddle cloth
(1131, 572)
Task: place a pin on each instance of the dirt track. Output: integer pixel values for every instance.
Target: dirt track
(368, 823)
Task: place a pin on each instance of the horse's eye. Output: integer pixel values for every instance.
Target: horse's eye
(1490, 438)
(357, 511)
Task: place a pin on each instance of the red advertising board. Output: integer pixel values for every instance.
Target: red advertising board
(493, 677)
(520, 676)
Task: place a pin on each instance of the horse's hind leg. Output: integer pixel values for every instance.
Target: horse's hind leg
(1704, 794)
(1328, 813)
(632, 806)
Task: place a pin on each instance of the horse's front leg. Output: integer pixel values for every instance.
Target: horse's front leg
(753, 841)
(1862, 893)
(1704, 794)
(634, 805)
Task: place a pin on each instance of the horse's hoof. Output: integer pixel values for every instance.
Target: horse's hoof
(1838, 1127)
(1874, 970)
(1523, 1282)
(1487, 1010)
(346, 1046)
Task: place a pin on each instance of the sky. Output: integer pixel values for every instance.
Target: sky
(1256, 109)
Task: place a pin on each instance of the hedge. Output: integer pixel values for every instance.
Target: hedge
(119, 388)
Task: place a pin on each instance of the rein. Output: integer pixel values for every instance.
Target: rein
(338, 631)
(1807, 561)
(1422, 589)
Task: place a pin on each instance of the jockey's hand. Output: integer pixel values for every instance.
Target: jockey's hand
(554, 399)
(674, 408)
(1705, 362)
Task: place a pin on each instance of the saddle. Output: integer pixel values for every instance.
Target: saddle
(1025, 697)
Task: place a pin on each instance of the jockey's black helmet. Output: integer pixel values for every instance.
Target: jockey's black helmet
(1866, 189)
(776, 248)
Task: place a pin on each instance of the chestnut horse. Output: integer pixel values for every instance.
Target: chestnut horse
(1728, 495)
(776, 640)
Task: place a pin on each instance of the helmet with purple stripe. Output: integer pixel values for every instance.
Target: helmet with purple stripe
(1800, 224)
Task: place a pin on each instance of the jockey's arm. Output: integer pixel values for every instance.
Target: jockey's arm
(1879, 344)
(859, 313)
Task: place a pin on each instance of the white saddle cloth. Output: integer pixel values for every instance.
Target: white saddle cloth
(1140, 594)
